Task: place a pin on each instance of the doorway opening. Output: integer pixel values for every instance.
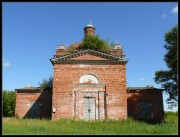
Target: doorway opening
(89, 108)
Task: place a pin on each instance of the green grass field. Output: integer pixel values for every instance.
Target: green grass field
(13, 126)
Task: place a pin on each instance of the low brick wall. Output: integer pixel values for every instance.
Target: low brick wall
(151, 100)
(33, 103)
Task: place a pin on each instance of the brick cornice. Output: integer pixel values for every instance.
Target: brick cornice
(111, 58)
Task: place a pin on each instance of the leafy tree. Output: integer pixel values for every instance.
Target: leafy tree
(169, 78)
(46, 84)
(94, 43)
(8, 103)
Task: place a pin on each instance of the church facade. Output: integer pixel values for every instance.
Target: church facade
(90, 85)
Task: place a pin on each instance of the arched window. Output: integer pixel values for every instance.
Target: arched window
(88, 79)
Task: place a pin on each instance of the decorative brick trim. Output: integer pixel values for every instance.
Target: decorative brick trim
(112, 59)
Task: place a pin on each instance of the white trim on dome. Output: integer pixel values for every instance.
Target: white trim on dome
(89, 25)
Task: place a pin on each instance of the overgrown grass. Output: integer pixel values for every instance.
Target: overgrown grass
(107, 127)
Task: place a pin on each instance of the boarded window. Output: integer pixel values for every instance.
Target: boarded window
(144, 110)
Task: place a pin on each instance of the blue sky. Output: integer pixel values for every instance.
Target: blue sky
(33, 30)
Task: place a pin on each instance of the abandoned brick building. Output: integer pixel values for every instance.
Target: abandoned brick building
(90, 85)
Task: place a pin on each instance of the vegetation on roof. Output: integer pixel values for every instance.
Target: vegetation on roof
(94, 43)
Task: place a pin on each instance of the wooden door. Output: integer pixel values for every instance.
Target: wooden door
(89, 108)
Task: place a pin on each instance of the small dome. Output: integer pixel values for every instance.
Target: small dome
(118, 47)
(89, 25)
(62, 47)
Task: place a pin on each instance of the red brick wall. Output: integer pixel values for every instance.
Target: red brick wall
(88, 57)
(62, 52)
(89, 31)
(113, 76)
(117, 52)
(153, 97)
(26, 97)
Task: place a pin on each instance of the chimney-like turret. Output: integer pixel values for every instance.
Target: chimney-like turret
(89, 30)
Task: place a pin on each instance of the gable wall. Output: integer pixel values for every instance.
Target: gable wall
(65, 75)
(88, 57)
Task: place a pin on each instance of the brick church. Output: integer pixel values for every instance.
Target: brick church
(90, 85)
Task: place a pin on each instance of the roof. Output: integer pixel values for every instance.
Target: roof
(89, 26)
(29, 89)
(74, 46)
(137, 89)
(111, 58)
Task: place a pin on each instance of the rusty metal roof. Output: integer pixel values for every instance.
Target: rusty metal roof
(28, 89)
(138, 89)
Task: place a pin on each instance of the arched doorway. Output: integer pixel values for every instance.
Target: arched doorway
(89, 98)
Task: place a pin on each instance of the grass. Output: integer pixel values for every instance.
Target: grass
(13, 126)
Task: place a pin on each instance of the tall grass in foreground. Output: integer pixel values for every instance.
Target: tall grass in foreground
(69, 126)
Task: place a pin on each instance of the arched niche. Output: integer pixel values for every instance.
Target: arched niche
(89, 79)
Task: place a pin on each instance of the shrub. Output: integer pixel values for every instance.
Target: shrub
(46, 84)
(94, 43)
(8, 103)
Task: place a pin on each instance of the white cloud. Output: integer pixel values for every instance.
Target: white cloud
(6, 63)
(141, 78)
(175, 10)
(164, 15)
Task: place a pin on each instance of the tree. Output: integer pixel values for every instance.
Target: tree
(8, 103)
(169, 78)
(46, 84)
(94, 43)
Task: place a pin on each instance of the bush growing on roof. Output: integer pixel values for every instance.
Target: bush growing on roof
(94, 43)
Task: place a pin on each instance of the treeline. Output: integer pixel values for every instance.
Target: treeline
(8, 103)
